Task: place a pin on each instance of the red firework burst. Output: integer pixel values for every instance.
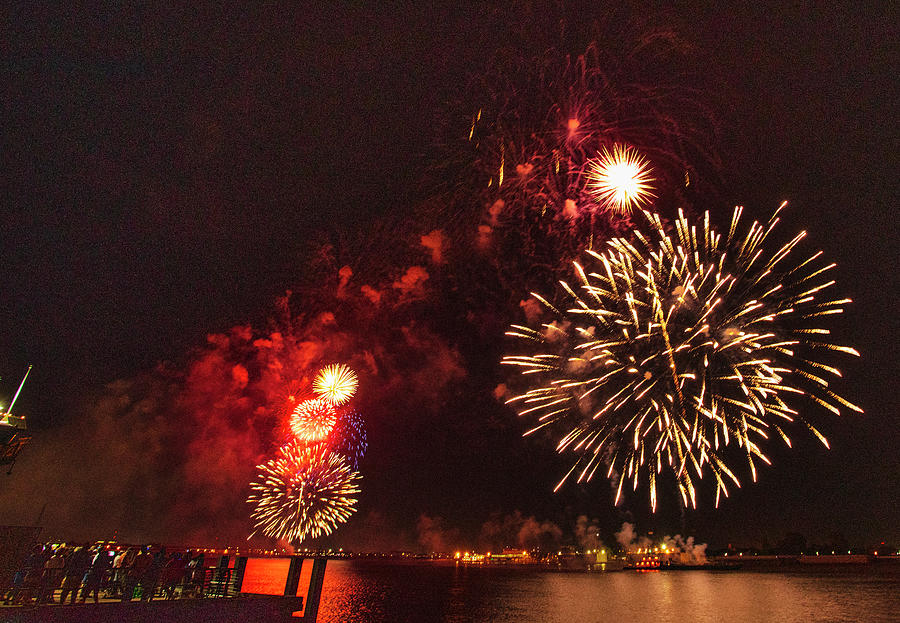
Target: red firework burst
(312, 420)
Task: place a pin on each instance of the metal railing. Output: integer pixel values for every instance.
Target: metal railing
(208, 583)
(220, 582)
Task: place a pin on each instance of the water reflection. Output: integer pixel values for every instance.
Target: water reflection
(370, 592)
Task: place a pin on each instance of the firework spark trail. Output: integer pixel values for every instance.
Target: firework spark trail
(515, 176)
(312, 420)
(337, 383)
(676, 345)
(304, 492)
(536, 141)
(348, 437)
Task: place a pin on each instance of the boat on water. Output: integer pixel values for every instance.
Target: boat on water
(653, 560)
(835, 559)
(12, 431)
(706, 566)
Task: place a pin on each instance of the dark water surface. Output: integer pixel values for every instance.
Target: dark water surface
(367, 592)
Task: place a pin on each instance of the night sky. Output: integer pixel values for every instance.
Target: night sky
(168, 174)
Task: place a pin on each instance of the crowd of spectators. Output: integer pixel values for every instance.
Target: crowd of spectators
(82, 572)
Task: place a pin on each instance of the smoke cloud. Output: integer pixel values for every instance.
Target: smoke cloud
(434, 242)
(483, 239)
(691, 553)
(371, 293)
(345, 273)
(520, 532)
(630, 540)
(168, 454)
(434, 537)
(532, 308)
(412, 283)
(587, 533)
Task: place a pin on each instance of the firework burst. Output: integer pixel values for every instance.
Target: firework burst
(513, 179)
(312, 420)
(348, 437)
(619, 180)
(675, 347)
(304, 492)
(337, 383)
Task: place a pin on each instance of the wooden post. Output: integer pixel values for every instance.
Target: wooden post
(293, 576)
(240, 565)
(311, 607)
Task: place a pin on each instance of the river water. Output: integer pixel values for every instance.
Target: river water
(374, 591)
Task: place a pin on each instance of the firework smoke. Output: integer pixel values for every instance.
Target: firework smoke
(434, 536)
(629, 540)
(146, 448)
(693, 553)
(587, 533)
(533, 173)
(689, 552)
(517, 530)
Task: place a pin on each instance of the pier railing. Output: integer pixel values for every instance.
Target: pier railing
(270, 585)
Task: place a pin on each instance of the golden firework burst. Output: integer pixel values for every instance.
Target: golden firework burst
(304, 492)
(676, 345)
(619, 180)
(337, 383)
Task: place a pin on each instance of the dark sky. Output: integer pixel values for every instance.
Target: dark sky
(164, 172)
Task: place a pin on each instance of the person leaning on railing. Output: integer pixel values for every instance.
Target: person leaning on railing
(76, 566)
(121, 566)
(135, 573)
(195, 576)
(95, 574)
(53, 573)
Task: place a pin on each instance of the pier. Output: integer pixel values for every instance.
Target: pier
(244, 588)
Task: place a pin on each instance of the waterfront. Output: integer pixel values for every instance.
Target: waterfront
(370, 592)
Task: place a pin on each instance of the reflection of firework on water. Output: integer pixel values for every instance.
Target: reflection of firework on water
(304, 492)
(619, 179)
(312, 420)
(348, 437)
(336, 382)
(671, 349)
